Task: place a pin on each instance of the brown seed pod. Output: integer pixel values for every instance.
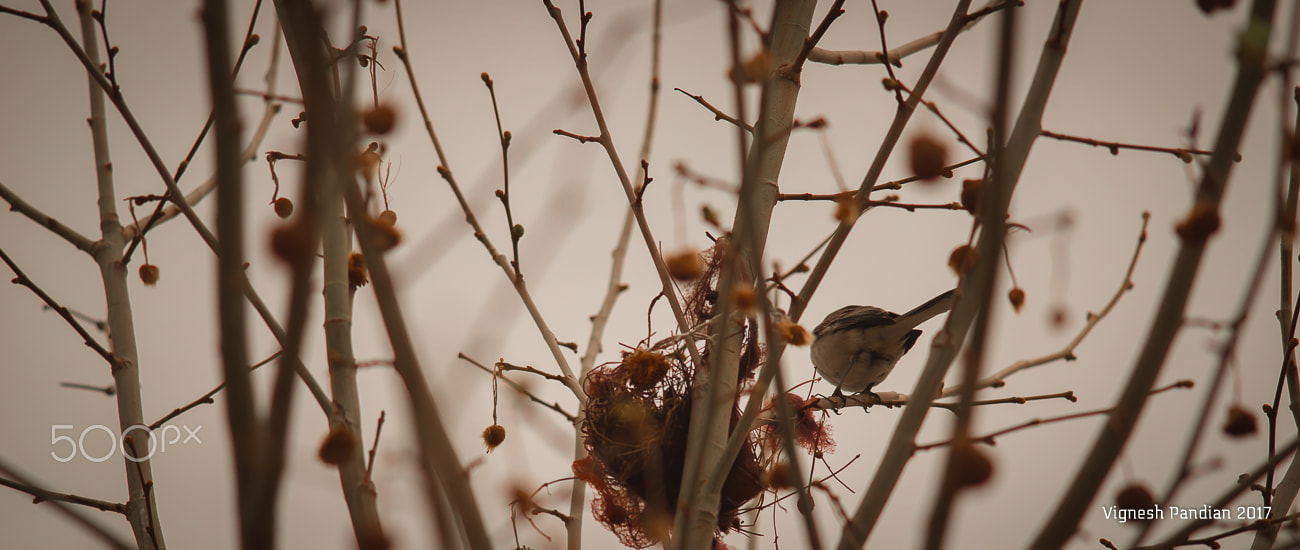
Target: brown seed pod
(962, 259)
(846, 208)
(1017, 298)
(289, 243)
(644, 368)
(971, 467)
(753, 70)
(745, 299)
(283, 207)
(149, 274)
(493, 436)
(685, 265)
(1135, 497)
(388, 235)
(928, 156)
(338, 445)
(357, 274)
(380, 119)
(1200, 223)
(793, 333)
(1240, 423)
(778, 476)
(970, 194)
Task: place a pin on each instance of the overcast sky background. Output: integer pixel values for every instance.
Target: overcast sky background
(1135, 72)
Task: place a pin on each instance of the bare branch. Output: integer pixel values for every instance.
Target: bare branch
(62, 505)
(581, 138)
(1111, 439)
(42, 495)
(444, 170)
(206, 399)
(717, 113)
(25, 208)
(999, 378)
(1183, 154)
(858, 57)
(22, 279)
(572, 418)
(989, 439)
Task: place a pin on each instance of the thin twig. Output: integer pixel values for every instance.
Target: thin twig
(901, 118)
(1015, 400)
(521, 389)
(1288, 183)
(24, 14)
(934, 108)
(75, 238)
(444, 170)
(441, 467)
(858, 57)
(1183, 154)
(62, 505)
(174, 193)
(1244, 482)
(504, 366)
(1066, 353)
(880, 18)
(205, 399)
(43, 495)
(615, 287)
(908, 206)
(516, 231)
(1260, 525)
(1111, 439)
(581, 138)
(989, 439)
(22, 279)
(835, 11)
(1227, 352)
(159, 215)
(942, 352)
(607, 142)
(108, 390)
(370, 464)
(717, 113)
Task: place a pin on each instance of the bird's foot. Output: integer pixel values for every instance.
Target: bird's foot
(838, 394)
(871, 398)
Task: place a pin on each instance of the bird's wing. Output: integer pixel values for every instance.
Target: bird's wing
(855, 317)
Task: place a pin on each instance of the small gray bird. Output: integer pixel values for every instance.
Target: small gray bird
(856, 347)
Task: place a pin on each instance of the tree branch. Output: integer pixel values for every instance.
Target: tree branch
(63, 507)
(17, 204)
(21, 278)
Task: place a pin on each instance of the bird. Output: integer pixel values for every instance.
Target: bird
(856, 347)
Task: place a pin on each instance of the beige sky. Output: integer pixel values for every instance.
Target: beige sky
(1136, 72)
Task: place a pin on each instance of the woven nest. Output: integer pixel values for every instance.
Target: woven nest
(636, 424)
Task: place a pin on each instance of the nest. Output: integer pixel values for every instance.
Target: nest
(635, 436)
(635, 430)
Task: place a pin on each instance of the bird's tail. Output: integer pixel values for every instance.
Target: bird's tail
(922, 313)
